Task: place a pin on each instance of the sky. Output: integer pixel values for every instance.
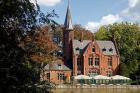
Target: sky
(92, 14)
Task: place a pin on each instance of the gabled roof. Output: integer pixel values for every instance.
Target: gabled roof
(68, 19)
(79, 46)
(56, 66)
(107, 47)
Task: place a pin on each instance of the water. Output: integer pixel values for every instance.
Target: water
(96, 91)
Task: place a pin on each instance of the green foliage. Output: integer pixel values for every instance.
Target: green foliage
(17, 17)
(124, 69)
(101, 34)
(127, 38)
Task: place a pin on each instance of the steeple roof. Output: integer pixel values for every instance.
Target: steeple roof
(68, 19)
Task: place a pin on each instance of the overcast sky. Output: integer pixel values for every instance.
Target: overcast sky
(92, 14)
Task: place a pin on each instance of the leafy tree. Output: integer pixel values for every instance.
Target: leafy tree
(17, 18)
(79, 30)
(40, 46)
(124, 69)
(101, 34)
(127, 37)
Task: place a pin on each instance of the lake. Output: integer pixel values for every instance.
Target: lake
(96, 91)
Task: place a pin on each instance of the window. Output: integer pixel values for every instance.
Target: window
(104, 49)
(90, 61)
(77, 48)
(79, 64)
(61, 76)
(79, 72)
(78, 61)
(48, 75)
(109, 61)
(80, 51)
(59, 66)
(93, 73)
(93, 49)
(97, 61)
(110, 50)
(109, 73)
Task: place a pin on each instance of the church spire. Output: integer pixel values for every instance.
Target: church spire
(68, 19)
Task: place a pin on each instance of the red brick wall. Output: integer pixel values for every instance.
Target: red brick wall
(88, 53)
(75, 65)
(54, 76)
(103, 68)
(67, 44)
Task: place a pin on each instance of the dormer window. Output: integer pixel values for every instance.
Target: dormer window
(80, 51)
(104, 49)
(110, 50)
(59, 66)
(81, 40)
(77, 48)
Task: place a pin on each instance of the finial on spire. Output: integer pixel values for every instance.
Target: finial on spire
(68, 19)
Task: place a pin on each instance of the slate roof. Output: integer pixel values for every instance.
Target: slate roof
(56, 66)
(107, 47)
(79, 46)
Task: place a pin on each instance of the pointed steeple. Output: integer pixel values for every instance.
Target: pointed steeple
(68, 19)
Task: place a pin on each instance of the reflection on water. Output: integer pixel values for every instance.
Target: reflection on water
(96, 91)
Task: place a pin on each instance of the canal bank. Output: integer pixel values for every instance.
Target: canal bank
(96, 90)
(85, 86)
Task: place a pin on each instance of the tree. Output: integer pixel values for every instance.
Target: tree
(17, 18)
(78, 31)
(101, 34)
(124, 69)
(127, 37)
(40, 46)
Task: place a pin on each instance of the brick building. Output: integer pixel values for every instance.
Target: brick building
(56, 72)
(88, 57)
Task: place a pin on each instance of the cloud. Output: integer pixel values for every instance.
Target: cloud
(132, 12)
(48, 2)
(105, 20)
(132, 3)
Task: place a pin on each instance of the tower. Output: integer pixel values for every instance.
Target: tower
(68, 36)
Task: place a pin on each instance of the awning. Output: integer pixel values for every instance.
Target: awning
(118, 77)
(99, 77)
(82, 77)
